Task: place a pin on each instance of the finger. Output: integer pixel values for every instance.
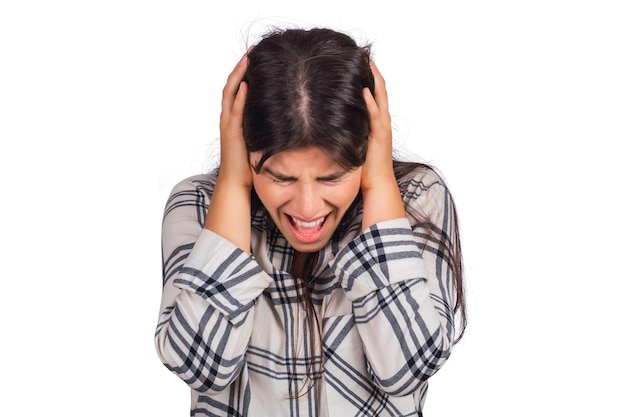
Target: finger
(233, 82)
(370, 103)
(236, 115)
(379, 114)
(380, 87)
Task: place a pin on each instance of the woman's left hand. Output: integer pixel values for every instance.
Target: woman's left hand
(381, 195)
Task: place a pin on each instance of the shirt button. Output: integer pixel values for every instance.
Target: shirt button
(302, 314)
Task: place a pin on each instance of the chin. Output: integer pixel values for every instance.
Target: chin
(308, 247)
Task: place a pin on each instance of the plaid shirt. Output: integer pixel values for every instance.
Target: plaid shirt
(230, 325)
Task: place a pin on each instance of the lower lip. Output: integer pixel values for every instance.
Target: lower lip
(308, 237)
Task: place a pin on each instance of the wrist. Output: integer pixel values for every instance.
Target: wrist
(229, 212)
(234, 180)
(382, 201)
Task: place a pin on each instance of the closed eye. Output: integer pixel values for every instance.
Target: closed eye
(330, 180)
(278, 177)
(281, 180)
(333, 178)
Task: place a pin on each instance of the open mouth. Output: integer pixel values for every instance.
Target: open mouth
(307, 230)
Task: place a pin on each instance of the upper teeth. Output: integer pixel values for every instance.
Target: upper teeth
(308, 224)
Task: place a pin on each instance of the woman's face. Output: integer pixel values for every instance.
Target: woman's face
(306, 193)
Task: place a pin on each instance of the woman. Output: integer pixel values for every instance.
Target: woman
(313, 275)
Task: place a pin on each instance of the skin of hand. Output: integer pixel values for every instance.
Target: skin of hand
(381, 195)
(229, 211)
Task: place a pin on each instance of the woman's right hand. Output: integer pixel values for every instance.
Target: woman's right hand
(229, 210)
(234, 164)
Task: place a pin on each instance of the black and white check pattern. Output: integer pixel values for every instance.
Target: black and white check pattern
(230, 325)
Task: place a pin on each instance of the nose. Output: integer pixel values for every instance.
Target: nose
(307, 203)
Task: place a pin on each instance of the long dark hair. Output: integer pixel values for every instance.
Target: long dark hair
(305, 89)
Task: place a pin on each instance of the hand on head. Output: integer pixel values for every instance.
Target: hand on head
(378, 165)
(381, 195)
(229, 211)
(234, 165)
(335, 127)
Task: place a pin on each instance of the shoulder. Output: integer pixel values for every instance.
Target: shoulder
(190, 193)
(185, 212)
(425, 191)
(420, 180)
(204, 183)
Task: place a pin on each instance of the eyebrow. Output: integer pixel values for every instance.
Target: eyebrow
(282, 177)
(278, 175)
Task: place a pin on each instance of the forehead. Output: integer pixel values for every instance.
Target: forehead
(298, 160)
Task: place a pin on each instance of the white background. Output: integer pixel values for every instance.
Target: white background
(521, 104)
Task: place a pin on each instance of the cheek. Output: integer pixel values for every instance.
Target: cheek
(271, 197)
(347, 194)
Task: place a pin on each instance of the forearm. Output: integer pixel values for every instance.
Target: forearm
(406, 332)
(200, 345)
(382, 202)
(207, 313)
(405, 337)
(229, 213)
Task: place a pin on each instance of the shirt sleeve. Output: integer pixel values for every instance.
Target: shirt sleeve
(398, 275)
(209, 290)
